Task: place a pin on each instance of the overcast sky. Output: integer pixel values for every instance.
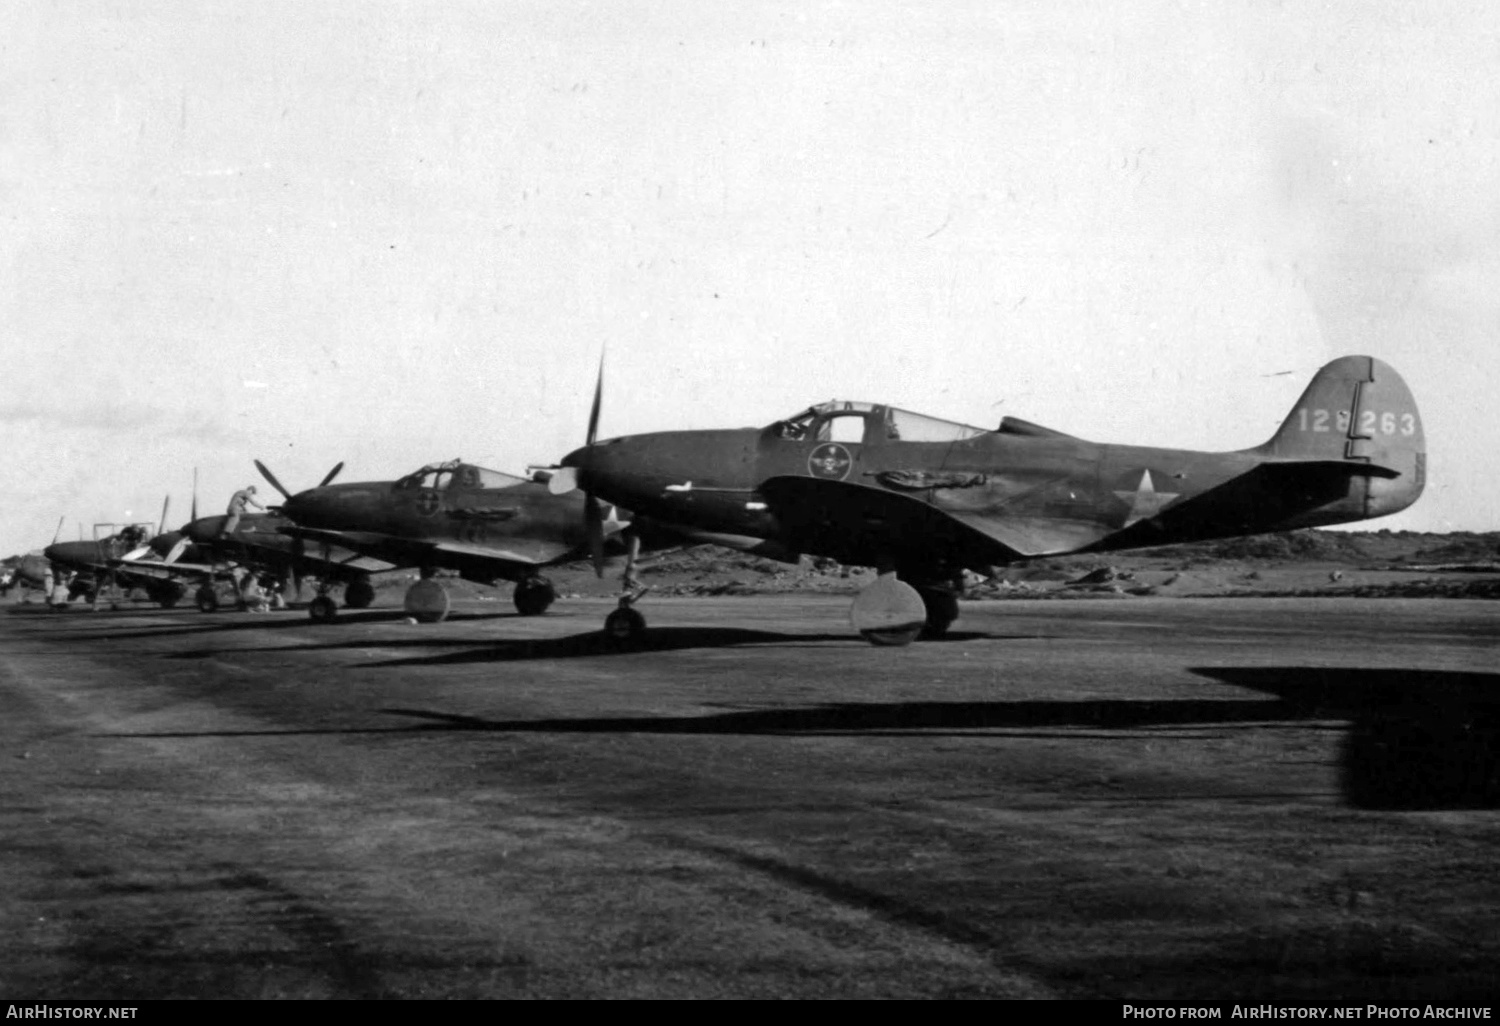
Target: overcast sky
(393, 233)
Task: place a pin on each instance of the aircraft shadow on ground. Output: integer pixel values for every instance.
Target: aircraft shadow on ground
(280, 620)
(1419, 739)
(875, 718)
(924, 719)
(657, 639)
(576, 646)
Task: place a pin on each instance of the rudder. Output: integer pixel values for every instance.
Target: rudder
(1358, 412)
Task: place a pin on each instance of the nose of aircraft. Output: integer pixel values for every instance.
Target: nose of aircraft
(205, 529)
(633, 470)
(332, 507)
(71, 553)
(637, 470)
(603, 468)
(300, 507)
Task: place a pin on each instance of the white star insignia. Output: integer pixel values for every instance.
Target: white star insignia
(1145, 502)
(613, 523)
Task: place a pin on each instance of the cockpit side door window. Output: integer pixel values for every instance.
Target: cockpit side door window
(847, 428)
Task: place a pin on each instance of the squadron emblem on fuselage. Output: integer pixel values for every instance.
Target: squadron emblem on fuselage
(830, 461)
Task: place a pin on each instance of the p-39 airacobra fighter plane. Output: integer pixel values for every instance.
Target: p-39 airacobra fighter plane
(108, 563)
(254, 555)
(487, 525)
(260, 549)
(922, 499)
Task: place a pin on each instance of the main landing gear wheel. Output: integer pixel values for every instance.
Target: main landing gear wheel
(889, 612)
(533, 596)
(168, 593)
(207, 599)
(942, 610)
(323, 609)
(427, 601)
(359, 594)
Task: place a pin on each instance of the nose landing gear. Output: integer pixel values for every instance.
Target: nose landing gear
(625, 627)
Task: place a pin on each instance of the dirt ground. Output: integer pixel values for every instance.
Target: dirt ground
(1140, 796)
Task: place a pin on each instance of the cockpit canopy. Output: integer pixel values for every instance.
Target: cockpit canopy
(458, 474)
(845, 421)
(128, 534)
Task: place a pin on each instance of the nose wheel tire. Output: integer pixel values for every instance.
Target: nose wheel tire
(625, 627)
(323, 609)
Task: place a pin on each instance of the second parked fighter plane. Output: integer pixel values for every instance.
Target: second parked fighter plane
(487, 525)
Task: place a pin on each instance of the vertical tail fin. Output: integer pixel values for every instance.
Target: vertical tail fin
(1358, 412)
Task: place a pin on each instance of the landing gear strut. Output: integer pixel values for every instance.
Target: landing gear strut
(625, 627)
(942, 609)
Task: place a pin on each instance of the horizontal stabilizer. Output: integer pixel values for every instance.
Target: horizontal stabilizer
(1340, 466)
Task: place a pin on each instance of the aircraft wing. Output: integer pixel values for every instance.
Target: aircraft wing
(346, 549)
(851, 521)
(162, 570)
(513, 555)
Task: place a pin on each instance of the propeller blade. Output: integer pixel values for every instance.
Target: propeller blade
(137, 553)
(165, 503)
(593, 434)
(59, 528)
(195, 494)
(272, 479)
(331, 475)
(563, 481)
(177, 550)
(593, 519)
